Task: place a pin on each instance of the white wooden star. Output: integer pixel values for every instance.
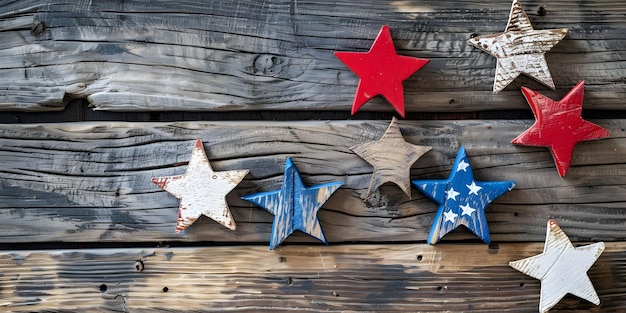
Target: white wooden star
(201, 190)
(561, 268)
(520, 49)
(391, 157)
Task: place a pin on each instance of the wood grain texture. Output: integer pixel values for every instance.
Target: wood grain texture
(354, 278)
(278, 54)
(90, 182)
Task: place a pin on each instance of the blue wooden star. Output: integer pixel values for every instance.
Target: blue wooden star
(462, 200)
(294, 206)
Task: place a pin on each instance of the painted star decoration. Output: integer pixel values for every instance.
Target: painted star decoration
(201, 190)
(462, 200)
(559, 125)
(294, 206)
(520, 49)
(391, 157)
(381, 71)
(561, 268)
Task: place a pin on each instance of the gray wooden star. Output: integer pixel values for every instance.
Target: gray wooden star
(391, 157)
(561, 268)
(520, 49)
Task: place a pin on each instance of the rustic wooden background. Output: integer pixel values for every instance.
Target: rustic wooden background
(99, 96)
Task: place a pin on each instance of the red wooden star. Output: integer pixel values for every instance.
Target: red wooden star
(381, 71)
(559, 125)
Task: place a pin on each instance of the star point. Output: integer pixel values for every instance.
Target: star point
(201, 190)
(381, 71)
(520, 49)
(559, 125)
(294, 206)
(445, 193)
(561, 268)
(391, 157)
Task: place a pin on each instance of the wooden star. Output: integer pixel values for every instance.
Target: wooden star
(201, 190)
(559, 125)
(294, 206)
(391, 157)
(561, 268)
(520, 49)
(462, 200)
(381, 71)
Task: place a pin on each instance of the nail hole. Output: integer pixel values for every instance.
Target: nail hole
(494, 246)
(452, 101)
(515, 214)
(522, 285)
(289, 281)
(165, 289)
(282, 259)
(139, 265)
(419, 257)
(335, 294)
(542, 11)
(103, 288)
(439, 288)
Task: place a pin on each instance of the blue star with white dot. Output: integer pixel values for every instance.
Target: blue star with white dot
(462, 200)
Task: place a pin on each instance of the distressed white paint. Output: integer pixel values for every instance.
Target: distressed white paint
(520, 49)
(561, 268)
(201, 190)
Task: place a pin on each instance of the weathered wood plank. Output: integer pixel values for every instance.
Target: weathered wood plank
(408, 278)
(242, 55)
(90, 182)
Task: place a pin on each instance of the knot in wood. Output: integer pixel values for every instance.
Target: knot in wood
(542, 11)
(268, 64)
(139, 265)
(38, 28)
